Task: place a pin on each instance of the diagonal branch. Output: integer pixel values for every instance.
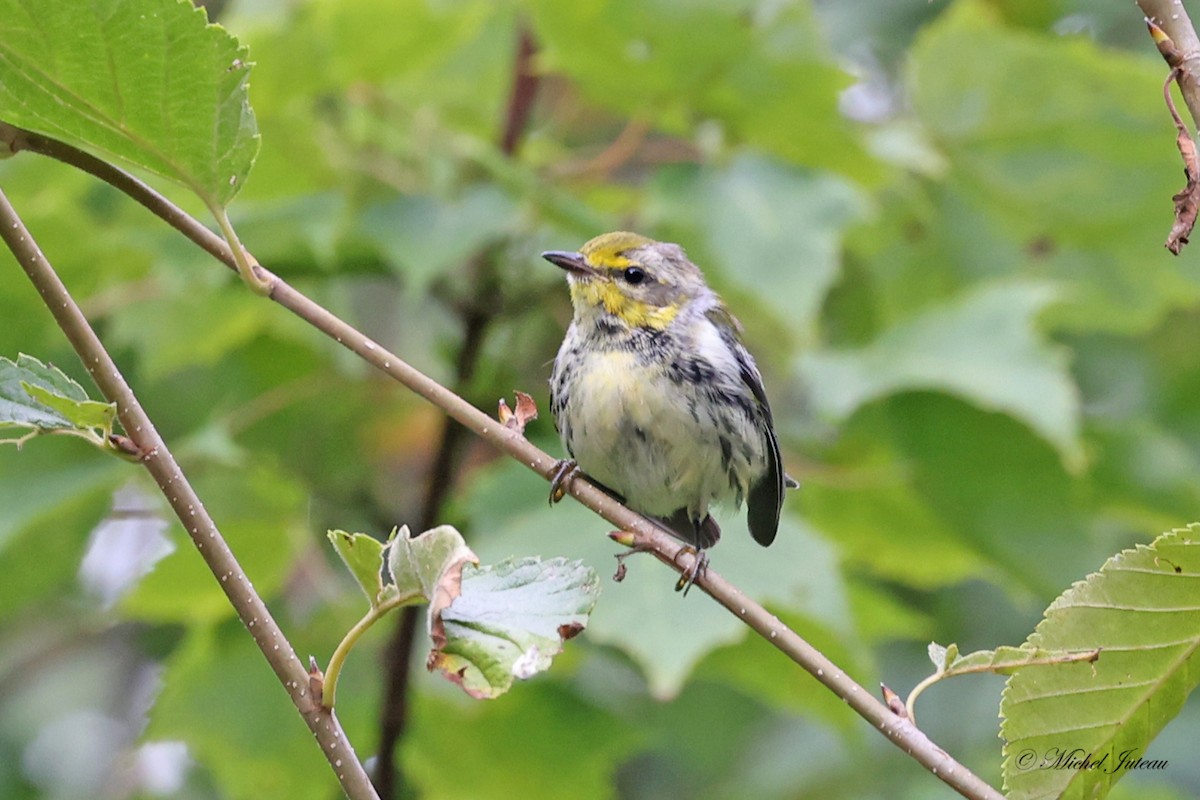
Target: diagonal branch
(645, 534)
(187, 506)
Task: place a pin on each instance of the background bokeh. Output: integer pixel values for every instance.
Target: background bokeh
(941, 224)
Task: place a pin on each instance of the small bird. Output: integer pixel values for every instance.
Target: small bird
(655, 397)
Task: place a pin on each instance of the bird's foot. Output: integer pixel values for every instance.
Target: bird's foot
(564, 471)
(698, 567)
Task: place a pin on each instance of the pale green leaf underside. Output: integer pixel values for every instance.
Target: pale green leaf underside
(1143, 611)
(148, 82)
(427, 565)
(511, 620)
(41, 397)
(363, 556)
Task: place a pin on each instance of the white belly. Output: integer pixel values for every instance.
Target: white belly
(633, 430)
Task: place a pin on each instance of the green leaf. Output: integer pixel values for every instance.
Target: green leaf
(942, 655)
(510, 620)
(428, 565)
(949, 663)
(983, 348)
(80, 413)
(147, 82)
(1142, 609)
(363, 556)
(43, 398)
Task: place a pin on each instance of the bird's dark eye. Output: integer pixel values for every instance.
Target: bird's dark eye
(634, 275)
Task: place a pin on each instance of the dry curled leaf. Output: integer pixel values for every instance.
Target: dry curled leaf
(1187, 202)
(516, 419)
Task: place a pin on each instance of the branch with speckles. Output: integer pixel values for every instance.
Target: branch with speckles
(156, 457)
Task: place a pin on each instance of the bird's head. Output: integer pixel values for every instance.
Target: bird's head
(637, 280)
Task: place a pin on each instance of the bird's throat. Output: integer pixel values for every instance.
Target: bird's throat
(592, 297)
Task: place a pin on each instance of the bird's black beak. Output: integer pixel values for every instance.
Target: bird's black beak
(574, 263)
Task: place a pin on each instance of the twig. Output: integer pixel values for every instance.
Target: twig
(900, 732)
(179, 494)
(1173, 35)
(1172, 18)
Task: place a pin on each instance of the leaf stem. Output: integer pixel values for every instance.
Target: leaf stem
(161, 465)
(902, 733)
(241, 259)
(334, 670)
(996, 666)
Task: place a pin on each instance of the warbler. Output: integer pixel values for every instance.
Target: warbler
(654, 395)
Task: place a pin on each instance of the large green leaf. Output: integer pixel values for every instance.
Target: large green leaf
(144, 81)
(983, 348)
(1142, 610)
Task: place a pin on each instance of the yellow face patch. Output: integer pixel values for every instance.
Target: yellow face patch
(635, 313)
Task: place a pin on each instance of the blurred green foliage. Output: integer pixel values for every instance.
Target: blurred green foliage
(941, 224)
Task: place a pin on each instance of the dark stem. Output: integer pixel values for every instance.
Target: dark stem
(477, 313)
(524, 90)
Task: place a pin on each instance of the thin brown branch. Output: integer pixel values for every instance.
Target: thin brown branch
(902, 733)
(1173, 34)
(1172, 18)
(161, 465)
